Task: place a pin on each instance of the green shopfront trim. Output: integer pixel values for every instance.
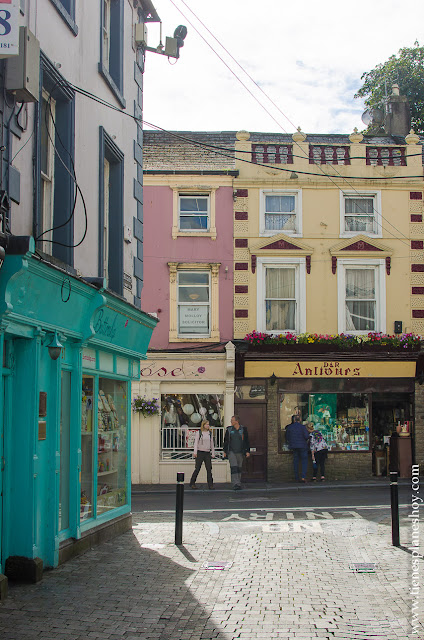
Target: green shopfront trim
(44, 417)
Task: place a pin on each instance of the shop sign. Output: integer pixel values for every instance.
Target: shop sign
(9, 28)
(330, 369)
(182, 369)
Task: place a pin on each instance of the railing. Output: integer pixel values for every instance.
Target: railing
(386, 156)
(272, 153)
(329, 154)
(178, 442)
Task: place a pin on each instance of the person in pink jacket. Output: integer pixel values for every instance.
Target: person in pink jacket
(204, 451)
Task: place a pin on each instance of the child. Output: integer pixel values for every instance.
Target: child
(319, 451)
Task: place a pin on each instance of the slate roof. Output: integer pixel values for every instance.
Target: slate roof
(178, 151)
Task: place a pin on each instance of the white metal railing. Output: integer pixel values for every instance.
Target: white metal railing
(178, 442)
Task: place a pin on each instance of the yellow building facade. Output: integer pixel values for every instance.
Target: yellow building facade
(328, 240)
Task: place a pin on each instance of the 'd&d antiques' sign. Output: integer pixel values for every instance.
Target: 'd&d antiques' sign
(329, 369)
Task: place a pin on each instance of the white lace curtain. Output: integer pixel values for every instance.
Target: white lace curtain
(360, 300)
(280, 294)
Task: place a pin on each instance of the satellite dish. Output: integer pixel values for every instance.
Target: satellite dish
(373, 117)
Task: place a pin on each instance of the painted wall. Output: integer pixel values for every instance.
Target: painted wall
(78, 57)
(321, 234)
(160, 248)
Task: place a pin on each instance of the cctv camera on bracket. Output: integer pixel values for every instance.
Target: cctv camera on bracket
(172, 45)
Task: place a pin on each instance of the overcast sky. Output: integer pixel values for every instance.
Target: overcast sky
(307, 56)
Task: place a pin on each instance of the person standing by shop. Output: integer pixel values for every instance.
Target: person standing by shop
(204, 451)
(297, 437)
(319, 451)
(236, 447)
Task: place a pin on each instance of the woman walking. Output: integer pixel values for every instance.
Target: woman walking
(204, 451)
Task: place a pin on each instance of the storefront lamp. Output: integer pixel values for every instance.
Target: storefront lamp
(272, 379)
(55, 347)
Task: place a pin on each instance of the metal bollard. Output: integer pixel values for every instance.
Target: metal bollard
(394, 503)
(179, 507)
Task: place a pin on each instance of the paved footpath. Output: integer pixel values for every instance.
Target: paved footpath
(283, 581)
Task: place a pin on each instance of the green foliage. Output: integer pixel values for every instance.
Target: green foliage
(407, 70)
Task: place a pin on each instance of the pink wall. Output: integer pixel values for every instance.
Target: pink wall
(160, 248)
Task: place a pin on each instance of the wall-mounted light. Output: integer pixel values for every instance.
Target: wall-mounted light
(55, 347)
(272, 379)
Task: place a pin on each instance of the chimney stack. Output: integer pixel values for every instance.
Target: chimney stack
(398, 117)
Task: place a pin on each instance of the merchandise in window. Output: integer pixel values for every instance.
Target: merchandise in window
(342, 418)
(193, 303)
(194, 212)
(111, 445)
(87, 412)
(182, 415)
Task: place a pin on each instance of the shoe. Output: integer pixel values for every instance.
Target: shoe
(313, 480)
(211, 487)
(193, 486)
(304, 480)
(322, 479)
(237, 487)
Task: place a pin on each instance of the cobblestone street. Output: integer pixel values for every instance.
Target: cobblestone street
(284, 581)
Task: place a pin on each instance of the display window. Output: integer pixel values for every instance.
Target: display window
(342, 418)
(104, 435)
(182, 415)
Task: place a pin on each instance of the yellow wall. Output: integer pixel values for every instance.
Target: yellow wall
(321, 234)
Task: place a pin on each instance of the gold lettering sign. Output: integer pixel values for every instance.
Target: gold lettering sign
(329, 369)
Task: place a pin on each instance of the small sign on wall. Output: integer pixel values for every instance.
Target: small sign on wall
(9, 28)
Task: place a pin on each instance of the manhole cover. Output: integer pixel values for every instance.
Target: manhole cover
(216, 566)
(363, 567)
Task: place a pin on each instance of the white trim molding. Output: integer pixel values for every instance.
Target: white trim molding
(380, 292)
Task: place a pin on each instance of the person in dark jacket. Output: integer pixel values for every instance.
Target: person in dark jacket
(236, 447)
(297, 437)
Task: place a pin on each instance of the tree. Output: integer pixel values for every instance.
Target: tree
(407, 70)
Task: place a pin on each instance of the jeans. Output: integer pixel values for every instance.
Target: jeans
(300, 455)
(203, 456)
(236, 463)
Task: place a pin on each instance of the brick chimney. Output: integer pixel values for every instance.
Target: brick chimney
(398, 117)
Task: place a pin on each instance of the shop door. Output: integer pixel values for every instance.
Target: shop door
(253, 416)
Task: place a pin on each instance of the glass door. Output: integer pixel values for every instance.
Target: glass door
(65, 450)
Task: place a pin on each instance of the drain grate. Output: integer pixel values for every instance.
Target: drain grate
(363, 567)
(216, 566)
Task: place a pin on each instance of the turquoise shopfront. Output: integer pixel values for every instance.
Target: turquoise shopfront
(70, 351)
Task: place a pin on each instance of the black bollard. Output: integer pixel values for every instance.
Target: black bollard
(179, 507)
(394, 502)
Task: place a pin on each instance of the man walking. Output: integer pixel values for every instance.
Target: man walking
(236, 447)
(297, 437)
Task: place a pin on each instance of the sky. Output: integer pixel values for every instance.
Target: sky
(306, 56)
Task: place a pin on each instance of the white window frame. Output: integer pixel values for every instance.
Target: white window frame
(299, 264)
(376, 196)
(200, 304)
(204, 196)
(47, 179)
(297, 193)
(380, 292)
(210, 232)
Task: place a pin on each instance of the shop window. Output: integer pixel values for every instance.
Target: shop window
(182, 415)
(281, 295)
(65, 450)
(194, 312)
(106, 489)
(361, 296)
(360, 213)
(342, 418)
(194, 214)
(250, 391)
(280, 212)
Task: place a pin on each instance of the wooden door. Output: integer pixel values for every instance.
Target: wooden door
(253, 416)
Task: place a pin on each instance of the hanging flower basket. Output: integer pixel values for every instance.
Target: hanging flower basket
(146, 407)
